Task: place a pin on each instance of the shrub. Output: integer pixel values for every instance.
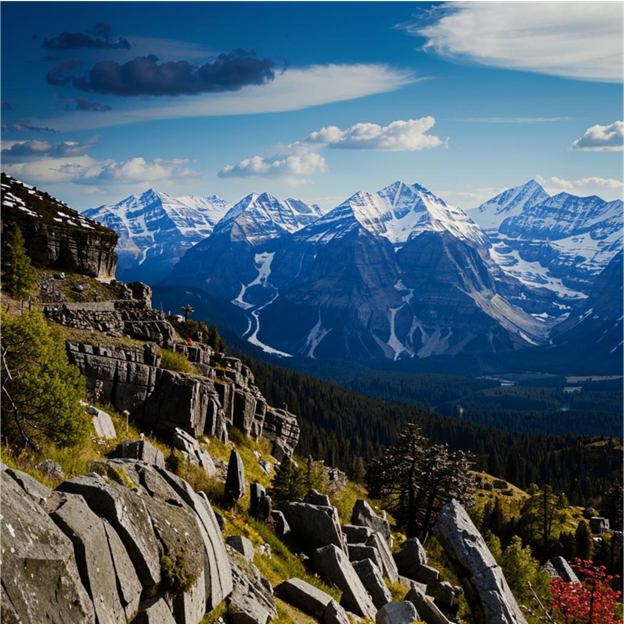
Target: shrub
(41, 390)
(175, 362)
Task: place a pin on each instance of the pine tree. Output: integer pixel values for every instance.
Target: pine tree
(19, 277)
(288, 484)
(611, 507)
(215, 340)
(415, 479)
(41, 391)
(584, 542)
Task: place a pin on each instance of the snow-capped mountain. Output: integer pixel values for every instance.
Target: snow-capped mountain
(155, 230)
(560, 243)
(262, 217)
(397, 273)
(594, 326)
(398, 212)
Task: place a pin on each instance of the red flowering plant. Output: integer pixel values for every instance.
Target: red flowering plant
(592, 601)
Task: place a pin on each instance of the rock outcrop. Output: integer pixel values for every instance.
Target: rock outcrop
(315, 525)
(56, 236)
(363, 515)
(487, 592)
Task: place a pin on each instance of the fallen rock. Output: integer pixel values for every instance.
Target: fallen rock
(589, 512)
(360, 552)
(303, 596)
(235, 480)
(102, 423)
(388, 565)
(140, 450)
(410, 557)
(51, 470)
(194, 453)
(363, 515)
(397, 613)
(333, 565)
(281, 525)
(93, 556)
(37, 554)
(315, 526)
(356, 534)
(559, 567)
(335, 614)
(499, 484)
(372, 579)
(444, 596)
(487, 591)
(242, 545)
(314, 497)
(427, 610)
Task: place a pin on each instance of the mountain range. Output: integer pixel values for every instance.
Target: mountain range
(395, 274)
(155, 230)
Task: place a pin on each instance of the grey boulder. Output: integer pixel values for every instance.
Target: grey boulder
(140, 450)
(102, 423)
(242, 545)
(559, 567)
(36, 553)
(487, 591)
(427, 610)
(334, 566)
(314, 525)
(363, 515)
(397, 613)
(235, 480)
(194, 453)
(303, 596)
(372, 579)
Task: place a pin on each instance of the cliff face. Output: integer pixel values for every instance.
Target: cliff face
(56, 236)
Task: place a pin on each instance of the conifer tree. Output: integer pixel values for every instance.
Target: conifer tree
(415, 479)
(584, 543)
(611, 507)
(288, 485)
(18, 275)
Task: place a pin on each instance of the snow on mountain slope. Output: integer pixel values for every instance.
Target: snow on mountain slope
(398, 212)
(509, 203)
(561, 243)
(262, 217)
(155, 230)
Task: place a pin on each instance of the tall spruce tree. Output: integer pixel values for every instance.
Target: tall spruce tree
(611, 507)
(19, 278)
(584, 543)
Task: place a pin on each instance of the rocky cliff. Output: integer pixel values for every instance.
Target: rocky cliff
(58, 237)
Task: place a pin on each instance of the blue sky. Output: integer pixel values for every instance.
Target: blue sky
(311, 100)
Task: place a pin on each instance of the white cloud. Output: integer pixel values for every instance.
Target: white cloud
(295, 89)
(602, 138)
(579, 40)
(398, 136)
(608, 188)
(300, 159)
(291, 168)
(85, 170)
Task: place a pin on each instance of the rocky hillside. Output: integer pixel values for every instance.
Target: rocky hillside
(166, 515)
(58, 237)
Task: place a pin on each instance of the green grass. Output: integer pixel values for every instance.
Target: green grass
(176, 362)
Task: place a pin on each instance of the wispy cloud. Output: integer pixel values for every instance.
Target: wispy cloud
(579, 40)
(602, 138)
(301, 158)
(36, 149)
(25, 126)
(296, 89)
(511, 120)
(74, 41)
